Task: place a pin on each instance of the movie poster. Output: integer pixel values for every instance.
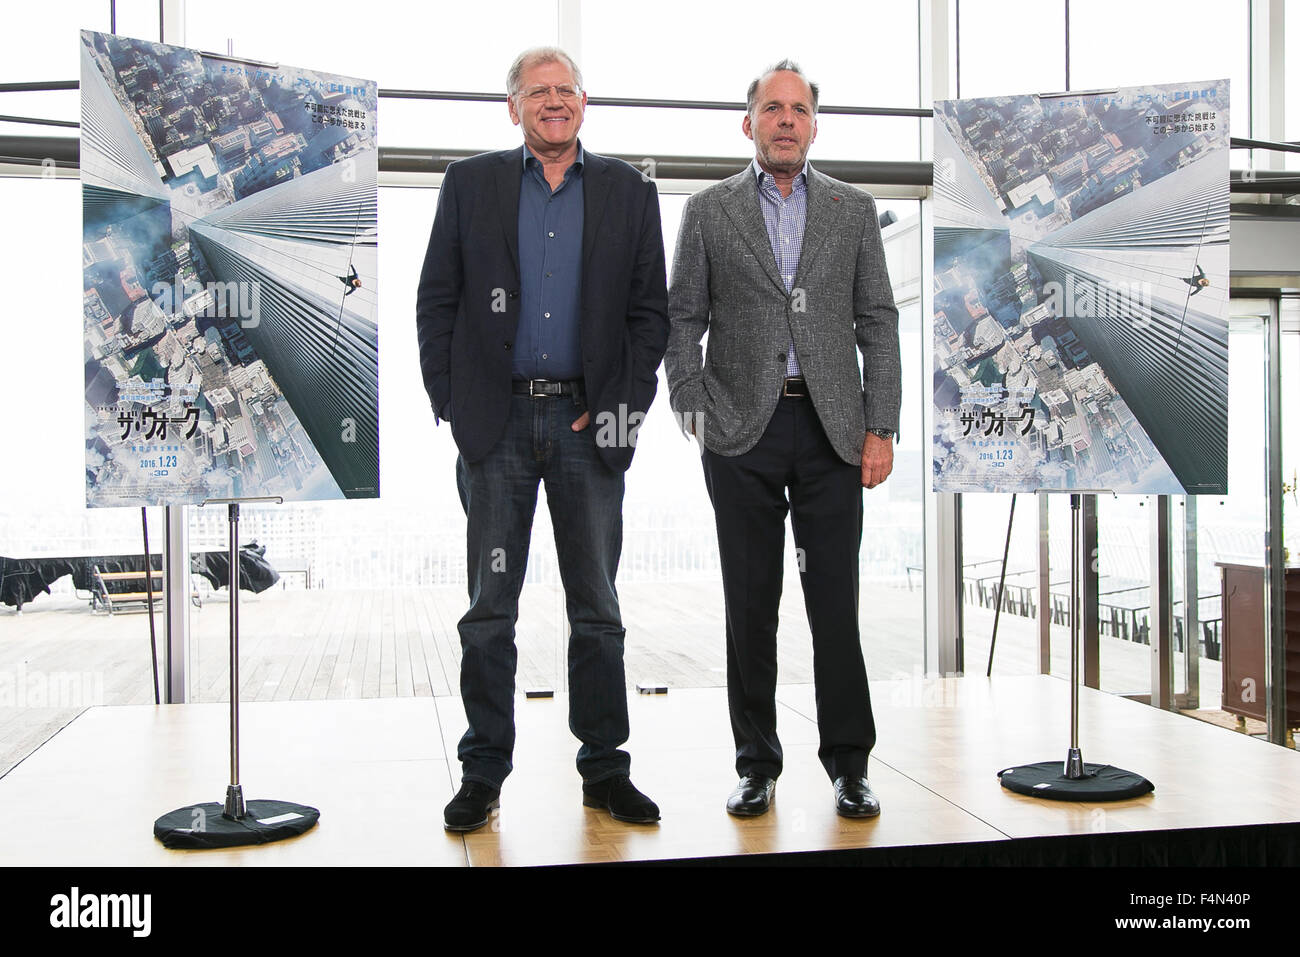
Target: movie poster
(229, 252)
(1081, 292)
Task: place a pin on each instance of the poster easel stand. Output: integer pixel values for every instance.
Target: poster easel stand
(235, 822)
(1002, 586)
(1074, 780)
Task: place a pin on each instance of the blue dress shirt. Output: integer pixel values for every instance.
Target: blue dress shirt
(548, 343)
(785, 217)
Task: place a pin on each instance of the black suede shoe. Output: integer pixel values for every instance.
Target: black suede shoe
(854, 798)
(621, 799)
(468, 810)
(753, 796)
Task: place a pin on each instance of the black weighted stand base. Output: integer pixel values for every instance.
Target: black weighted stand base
(201, 826)
(1100, 782)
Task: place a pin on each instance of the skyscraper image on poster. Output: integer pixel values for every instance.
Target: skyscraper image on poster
(1081, 292)
(229, 253)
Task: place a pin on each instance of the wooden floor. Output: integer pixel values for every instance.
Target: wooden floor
(381, 770)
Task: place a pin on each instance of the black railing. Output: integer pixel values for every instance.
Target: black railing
(36, 150)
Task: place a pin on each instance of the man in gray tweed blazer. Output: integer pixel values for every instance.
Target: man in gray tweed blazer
(784, 268)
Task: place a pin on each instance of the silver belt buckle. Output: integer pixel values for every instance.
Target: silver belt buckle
(532, 389)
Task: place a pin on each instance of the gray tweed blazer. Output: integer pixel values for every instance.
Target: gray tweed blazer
(725, 281)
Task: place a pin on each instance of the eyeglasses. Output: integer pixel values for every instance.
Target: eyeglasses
(539, 94)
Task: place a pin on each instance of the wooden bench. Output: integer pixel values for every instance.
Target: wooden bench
(111, 599)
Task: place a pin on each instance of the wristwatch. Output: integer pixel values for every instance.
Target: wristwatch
(885, 434)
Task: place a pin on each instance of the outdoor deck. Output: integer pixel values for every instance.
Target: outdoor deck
(58, 657)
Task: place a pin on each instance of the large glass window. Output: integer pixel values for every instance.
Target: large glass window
(371, 591)
(1231, 529)
(1290, 315)
(677, 132)
(1118, 43)
(863, 55)
(48, 51)
(137, 18)
(985, 521)
(1124, 594)
(64, 652)
(1019, 47)
(464, 48)
(706, 52)
(1292, 86)
(893, 551)
(1010, 47)
(1111, 44)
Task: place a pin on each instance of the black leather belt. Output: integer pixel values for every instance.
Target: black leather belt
(545, 387)
(796, 387)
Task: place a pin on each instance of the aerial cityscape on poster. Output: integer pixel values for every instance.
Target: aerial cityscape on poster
(1081, 291)
(229, 251)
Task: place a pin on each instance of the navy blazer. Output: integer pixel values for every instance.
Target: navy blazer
(467, 307)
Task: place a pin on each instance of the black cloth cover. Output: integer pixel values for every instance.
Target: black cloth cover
(177, 829)
(255, 573)
(1100, 782)
(22, 579)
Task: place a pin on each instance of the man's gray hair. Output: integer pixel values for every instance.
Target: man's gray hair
(535, 56)
(787, 64)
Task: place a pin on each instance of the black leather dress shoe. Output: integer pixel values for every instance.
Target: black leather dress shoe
(854, 798)
(468, 810)
(621, 799)
(753, 796)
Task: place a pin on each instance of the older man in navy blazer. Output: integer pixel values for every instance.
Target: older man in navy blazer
(542, 320)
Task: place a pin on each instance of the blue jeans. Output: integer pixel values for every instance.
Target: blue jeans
(585, 497)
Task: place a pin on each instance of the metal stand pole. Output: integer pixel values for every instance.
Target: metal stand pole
(1074, 759)
(234, 808)
(1075, 781)
(236, 822)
